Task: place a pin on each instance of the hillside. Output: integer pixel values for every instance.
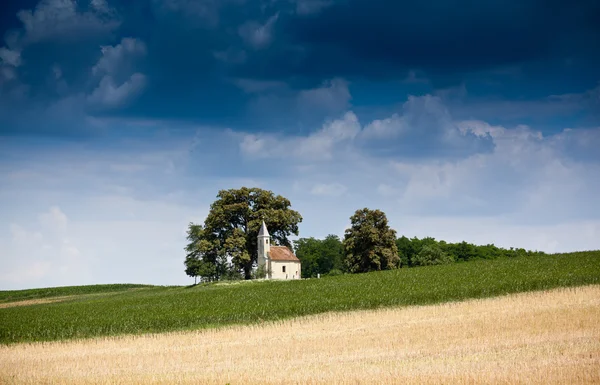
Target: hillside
(540, 337)
(159, 309)
(50, 292)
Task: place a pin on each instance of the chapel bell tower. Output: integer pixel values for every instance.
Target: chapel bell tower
(264, 245)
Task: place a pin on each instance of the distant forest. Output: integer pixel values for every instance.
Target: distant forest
(326, 256)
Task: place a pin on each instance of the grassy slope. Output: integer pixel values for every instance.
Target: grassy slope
(161, 309)
(21, 295)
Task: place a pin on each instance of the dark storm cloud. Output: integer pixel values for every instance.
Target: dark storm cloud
(198, 52)
(380, 38)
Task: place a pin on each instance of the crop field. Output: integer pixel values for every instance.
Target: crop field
(29, 294)
(543, 337)
(162, 309)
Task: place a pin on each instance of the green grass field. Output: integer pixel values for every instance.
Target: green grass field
(19, 295)
(159, 309)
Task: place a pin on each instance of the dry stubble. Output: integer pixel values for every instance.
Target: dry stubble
(542, 337)
(37, 301)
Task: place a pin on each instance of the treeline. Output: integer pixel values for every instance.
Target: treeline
(225, 246)
(326, 256)
(428, 251)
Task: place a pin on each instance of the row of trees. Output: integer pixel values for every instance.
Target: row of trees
(428, 251)
(327, 256)
(225, 246)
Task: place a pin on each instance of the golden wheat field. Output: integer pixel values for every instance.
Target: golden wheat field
(541, 337)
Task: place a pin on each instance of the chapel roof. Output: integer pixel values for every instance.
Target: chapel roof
(282, 253)
(263, 230)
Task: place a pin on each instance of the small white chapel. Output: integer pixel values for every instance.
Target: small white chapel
(279, 261)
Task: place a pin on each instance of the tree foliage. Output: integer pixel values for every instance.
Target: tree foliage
(228, 238)
(319, 256)
(202, 259)
(411, 252)
(370, 244)
(432, 255)
(261, 272)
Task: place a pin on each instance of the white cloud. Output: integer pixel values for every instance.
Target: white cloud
(328, 99)
(435, 180)
(105, 247)
(101, 6)
(9, 61)
(257, 35)
(74, 215)
(384, 128)
(115, 57)
(387, 190)
(309, 7)
(317, 146)
(54, 219)
(428, 114)
(328, 189)
(59, 22)
(110, 95)
(43, 254)
(424, 127)
(589, 97)
(10, 57)
(61, 19)
(519, 172)
(579, 143)
(118, 62)
(332, 95)
(525, 175)
(552, 106)
(340, 130)
(480, 128)
(7, 74)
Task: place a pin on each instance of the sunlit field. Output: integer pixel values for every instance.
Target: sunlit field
(97, 311)
(538, 337)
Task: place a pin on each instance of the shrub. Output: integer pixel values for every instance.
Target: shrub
(432, 255)
(334, 272)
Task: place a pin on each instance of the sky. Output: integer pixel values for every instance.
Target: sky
(120, 121)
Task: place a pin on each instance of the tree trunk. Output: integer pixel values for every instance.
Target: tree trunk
(248, 270)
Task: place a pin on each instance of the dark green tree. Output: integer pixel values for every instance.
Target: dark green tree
(462, 251)
(332, 254)
(407, 250)
(192, 266)
(232, 225)
(319, 256)
(202, 257)
(432, 254)
(308, 251)
(369, 243)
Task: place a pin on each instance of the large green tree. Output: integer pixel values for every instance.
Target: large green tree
(231, 228)
(319, 256)
(202, 257)
(332, 254)
(369, 243)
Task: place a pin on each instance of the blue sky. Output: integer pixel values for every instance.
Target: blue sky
(120, 121)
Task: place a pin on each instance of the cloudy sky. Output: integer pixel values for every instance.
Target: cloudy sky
(120, 121)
